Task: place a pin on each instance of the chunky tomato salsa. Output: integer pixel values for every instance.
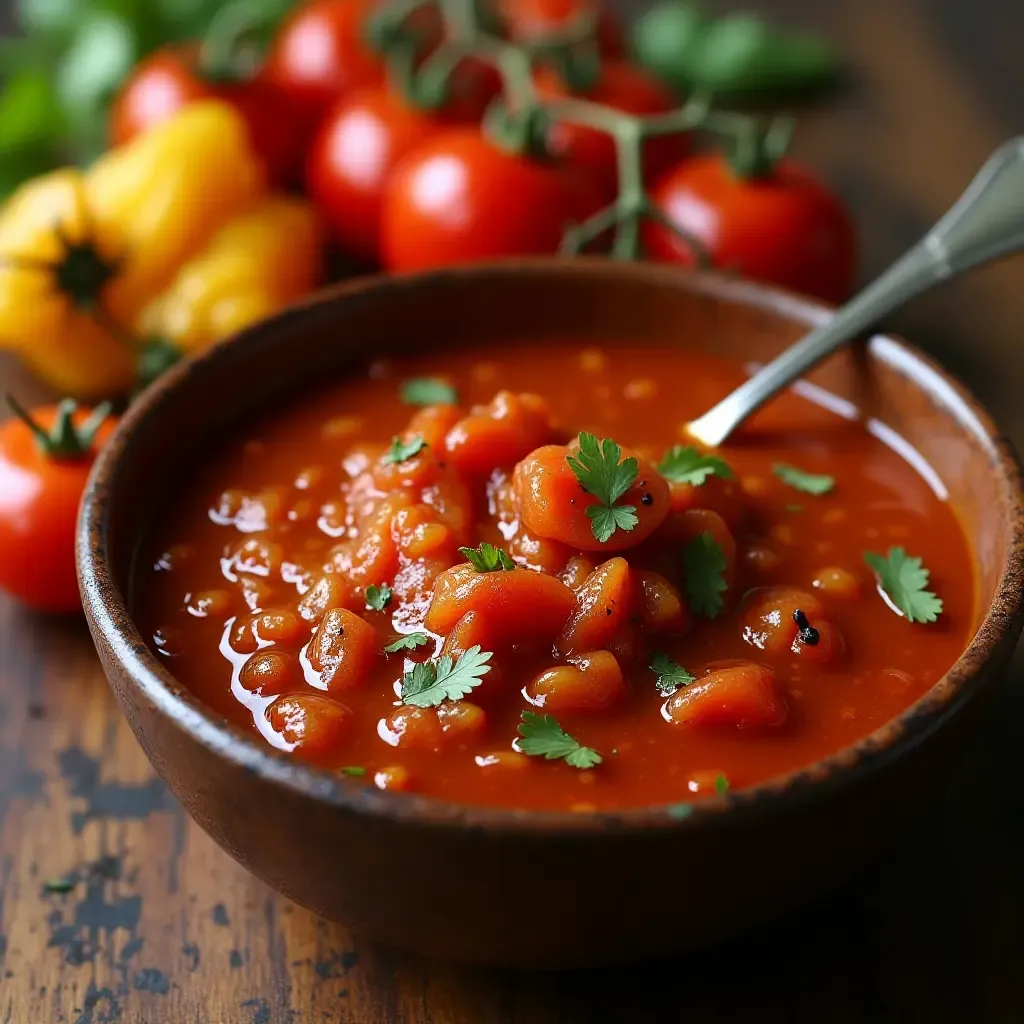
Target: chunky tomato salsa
(508, 577)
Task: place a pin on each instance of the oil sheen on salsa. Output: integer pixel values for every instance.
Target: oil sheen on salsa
(732, 633)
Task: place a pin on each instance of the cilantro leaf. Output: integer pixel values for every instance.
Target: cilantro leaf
(428, 391)
(799, 480)
(600, 473)
(671, 675)
(427, 685)
(688, 465)
(378, 598)
(408, 642)
(488, 558)
(355, 770)
(904, 581)
(704, 562)
(542, 736)
(401, 450)
(721, 785)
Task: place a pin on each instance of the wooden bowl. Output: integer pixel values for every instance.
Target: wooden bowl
(524, 888)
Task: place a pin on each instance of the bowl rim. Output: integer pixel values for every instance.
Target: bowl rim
(111, 622)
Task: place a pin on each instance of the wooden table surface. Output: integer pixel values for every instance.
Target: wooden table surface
(163, 926)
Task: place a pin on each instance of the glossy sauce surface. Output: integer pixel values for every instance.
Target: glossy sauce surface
(256, 525)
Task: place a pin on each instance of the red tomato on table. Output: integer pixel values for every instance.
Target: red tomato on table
(785, 229)
(173, 78)
(625, 87)
(41, 484)
(460, 198)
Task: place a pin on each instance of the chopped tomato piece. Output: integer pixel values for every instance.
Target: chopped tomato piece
(745, 696)
(499, 434)
(604, 604)
(660, 604)
(593, 682)
(785, 621)
(311, 724)
(717, 494)
(343, 650)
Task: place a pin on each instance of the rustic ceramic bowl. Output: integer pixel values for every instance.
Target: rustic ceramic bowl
(456, 881)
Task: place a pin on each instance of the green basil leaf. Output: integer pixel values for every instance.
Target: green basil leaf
(96, 63)
(667, 39)
(30, 112)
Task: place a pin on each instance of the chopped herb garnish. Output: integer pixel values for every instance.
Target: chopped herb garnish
(704, 562)
(689, 465)
(904, 581)
(721, 784)
(355, 770)
(671, 676)
(427, 685)
(794, 508)
(809, 483)
(409, 642)
(600, 473)
(428, 391)
(401, 450)
(59, 885)
(488, 558)
(542, 736)
(378, 598)
(679, 811)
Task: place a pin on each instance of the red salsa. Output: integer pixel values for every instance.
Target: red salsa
(509, 578)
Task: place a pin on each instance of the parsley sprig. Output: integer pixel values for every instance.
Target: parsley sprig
(704, 563)
(428, 684)
(905, 581)
(800, 480)
(401, 450)
(488, 558)
(378, 598)
(671, 676)
(689, 465)
(408, 642)
(600, 472)
(542, 736)
(428, 391)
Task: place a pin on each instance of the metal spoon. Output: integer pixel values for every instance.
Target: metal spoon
(986, 222)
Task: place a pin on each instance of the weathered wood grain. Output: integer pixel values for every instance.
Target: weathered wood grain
(161, 926)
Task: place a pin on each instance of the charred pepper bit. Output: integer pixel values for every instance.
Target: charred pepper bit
(808, 634)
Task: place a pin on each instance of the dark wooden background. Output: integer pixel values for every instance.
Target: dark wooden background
(162, 926)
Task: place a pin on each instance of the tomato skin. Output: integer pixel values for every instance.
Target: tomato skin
(786, 229)
(625, 87)
(460, 198)
(526, 19)
(320, 54)
(172, 78)
(39, 499)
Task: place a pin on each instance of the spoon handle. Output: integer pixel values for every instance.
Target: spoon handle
(986, 222)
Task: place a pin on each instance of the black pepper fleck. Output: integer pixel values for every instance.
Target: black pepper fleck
(808, 634)
(646, 498)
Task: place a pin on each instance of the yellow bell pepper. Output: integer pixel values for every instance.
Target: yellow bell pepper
(172, 236)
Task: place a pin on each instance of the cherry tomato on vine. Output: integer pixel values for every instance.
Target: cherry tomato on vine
(460, 197)
(627, 88)
(364, 136)
(525, 19)
(174, 77)
(784, 228)
(45, 459)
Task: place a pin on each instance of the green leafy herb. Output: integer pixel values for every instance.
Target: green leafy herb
(427, 685)
(721, 784)
(355, 770)
(905, 581)
(428, 391)
(671, 676)
(59, 885)
(378, 598)
(409, 642)
(704, 562)
(680, 812)
(488, 558)
(600, 473)
(809, 483)
(688, 465)
(542, 736)
(401, 450)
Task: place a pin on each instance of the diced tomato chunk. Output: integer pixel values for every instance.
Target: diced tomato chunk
(745, 696)
(553, 504)
(343, 650)
(432, 423)
(499, 434)
(413, 728)
(311, 724)
(603, 605)
(593, 682)
(462, 721)
(769, 623)
(268, 673)
(717, 494)
(576, 571)
(517, 606)
(330, 591)
(660, 605)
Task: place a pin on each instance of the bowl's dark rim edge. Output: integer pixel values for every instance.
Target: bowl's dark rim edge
(111, 622)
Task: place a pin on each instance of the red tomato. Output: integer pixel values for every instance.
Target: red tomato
(171, 79)
(39, 496)
(624, 87)
(320, 54)
(786, 229)
(460, 198)
(363, 138)
(525, 19)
